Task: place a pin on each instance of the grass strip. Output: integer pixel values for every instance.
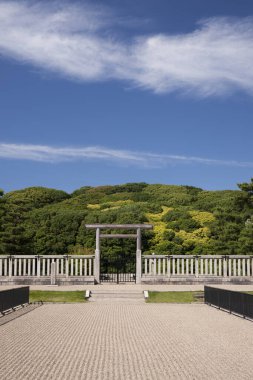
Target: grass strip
(173, 297)
(57, 296)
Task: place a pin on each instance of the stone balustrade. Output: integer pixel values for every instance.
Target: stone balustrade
(46, 269)
(77, 269)
(211, 266)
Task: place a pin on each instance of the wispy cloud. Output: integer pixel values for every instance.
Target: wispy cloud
(73, 41)
(50, 154)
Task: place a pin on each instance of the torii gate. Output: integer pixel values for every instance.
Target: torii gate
(137, 236)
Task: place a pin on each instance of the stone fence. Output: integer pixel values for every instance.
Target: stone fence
(77, 269)
(211, 268)
(49, 269)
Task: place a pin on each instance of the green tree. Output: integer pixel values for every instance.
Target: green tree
(1, 219)
(42, 220)
(247, 187)
(13, 236)
(246, 237)
(54, 230)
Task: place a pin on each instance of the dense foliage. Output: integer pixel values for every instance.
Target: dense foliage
(187, 220)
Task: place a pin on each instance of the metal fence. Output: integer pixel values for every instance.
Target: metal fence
(234, 302)
(13, 297)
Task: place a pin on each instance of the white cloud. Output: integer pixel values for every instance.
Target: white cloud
(73, 41)
(212, 60)
(50, 154)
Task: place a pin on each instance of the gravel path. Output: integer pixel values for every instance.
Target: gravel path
(124, 341)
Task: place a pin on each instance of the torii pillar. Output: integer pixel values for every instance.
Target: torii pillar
(138, 257)
(97, 257)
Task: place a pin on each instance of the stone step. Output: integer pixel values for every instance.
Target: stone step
(116, 292)
(98, 296)
(116, 296)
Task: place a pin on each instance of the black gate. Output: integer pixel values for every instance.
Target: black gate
(118, 268)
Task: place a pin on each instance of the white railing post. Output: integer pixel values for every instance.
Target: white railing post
(243, 267)
(67, 266)
(215, 267)
(187, 266)
(220, 266)
(182, 266)
(229, 267)
(234, 273)
(248, 267)
(91, 262)
(76, 267)
(164, 266)
(20, 266)
(53, 273)
(145, 266)
(81, 267)
(154, 268)
(210, 266)
(192, 266)
(169, 266)
(196, 266)
(38, 266)
(224, 266)
(10, 266)
(15, 266)
(239, 267)
(85, 267)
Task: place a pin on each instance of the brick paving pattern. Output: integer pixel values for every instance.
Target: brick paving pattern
(126, 341)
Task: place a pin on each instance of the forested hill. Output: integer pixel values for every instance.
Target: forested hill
(187, 220)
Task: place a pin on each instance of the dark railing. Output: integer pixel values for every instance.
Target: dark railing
(234, 302)
(13, 297)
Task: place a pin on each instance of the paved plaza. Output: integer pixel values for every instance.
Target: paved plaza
(126, 341)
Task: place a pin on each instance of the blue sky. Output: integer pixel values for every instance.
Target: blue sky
(156, 91)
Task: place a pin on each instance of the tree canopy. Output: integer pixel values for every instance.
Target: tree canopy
(187, 220)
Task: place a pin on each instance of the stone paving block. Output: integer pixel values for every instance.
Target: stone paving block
(125, 341)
